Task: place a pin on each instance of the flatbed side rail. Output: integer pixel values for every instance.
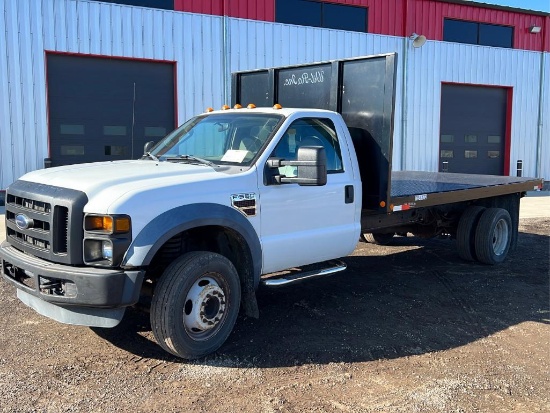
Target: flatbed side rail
(424, 189)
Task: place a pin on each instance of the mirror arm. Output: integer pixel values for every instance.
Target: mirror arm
(278, 162)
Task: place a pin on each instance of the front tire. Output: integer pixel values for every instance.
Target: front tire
(195, 304)
(493, 236)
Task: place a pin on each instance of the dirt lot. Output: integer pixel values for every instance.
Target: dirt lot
(408, 328)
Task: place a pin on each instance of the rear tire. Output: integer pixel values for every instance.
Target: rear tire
(195, 304)
(378, 238)
(466, 232)
(493, 236)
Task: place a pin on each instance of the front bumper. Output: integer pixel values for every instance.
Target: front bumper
(78, 290)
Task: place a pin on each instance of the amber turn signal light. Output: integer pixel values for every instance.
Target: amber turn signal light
(99, 223)
(106, 223)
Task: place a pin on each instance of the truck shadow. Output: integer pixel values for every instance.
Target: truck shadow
(411, 298)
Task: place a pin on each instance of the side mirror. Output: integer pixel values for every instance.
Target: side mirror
(311, 164)
(147, 147)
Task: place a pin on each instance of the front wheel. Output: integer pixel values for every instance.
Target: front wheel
(195, 304)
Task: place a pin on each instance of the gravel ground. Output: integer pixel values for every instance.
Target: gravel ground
(407, 328)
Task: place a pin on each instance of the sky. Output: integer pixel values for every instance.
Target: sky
(540, 5)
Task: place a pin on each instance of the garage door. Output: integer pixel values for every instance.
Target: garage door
(106, 109)
(473, 129)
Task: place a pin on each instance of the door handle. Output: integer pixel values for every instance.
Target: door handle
(349, 194)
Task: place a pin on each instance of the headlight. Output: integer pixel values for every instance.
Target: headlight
(93, 250)
(106, 239)
(107, 250)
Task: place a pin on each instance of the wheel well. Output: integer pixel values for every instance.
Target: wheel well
(222, 240)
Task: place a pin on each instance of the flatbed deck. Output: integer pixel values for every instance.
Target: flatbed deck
(411, 189)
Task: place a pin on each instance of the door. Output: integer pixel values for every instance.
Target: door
(473, 129)
(106, 109)
(306, 224)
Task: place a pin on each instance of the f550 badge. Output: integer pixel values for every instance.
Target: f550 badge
(246, 203)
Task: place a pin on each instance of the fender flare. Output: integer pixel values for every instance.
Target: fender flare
(170, 223)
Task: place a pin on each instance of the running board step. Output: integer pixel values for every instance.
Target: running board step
(298, 275)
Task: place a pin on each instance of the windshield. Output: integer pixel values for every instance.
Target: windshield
(220, 139)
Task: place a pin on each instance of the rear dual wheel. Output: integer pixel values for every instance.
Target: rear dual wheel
(466, 232)
(484, 234)
(493, 236)
(195, 304)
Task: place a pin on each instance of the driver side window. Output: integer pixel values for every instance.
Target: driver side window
(309, 132)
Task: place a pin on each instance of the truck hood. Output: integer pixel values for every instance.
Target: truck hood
(113, 179)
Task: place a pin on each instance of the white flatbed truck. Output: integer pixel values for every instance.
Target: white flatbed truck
(234, 196)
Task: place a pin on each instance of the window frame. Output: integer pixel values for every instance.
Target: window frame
(323, 5)
(478, 25)
(322, 131)
(152, 4)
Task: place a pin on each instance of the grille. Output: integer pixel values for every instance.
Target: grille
(61, 217)
(40, 235)
(30, 204)
(38, 221)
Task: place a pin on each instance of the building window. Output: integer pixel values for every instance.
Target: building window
(154, 4)
(319, 14)
(484, 34)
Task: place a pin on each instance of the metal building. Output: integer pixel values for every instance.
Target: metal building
(84, 80)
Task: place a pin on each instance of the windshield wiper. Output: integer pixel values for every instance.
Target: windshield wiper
(150, 155)
(191, 159)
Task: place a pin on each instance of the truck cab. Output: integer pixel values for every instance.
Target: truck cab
(241, 186)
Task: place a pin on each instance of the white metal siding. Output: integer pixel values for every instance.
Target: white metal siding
(30, 28)
(438, 62)
(195, 42)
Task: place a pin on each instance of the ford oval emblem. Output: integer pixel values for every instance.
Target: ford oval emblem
(23, 222)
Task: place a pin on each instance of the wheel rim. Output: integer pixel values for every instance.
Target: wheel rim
(205, 308)
(500, 237)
